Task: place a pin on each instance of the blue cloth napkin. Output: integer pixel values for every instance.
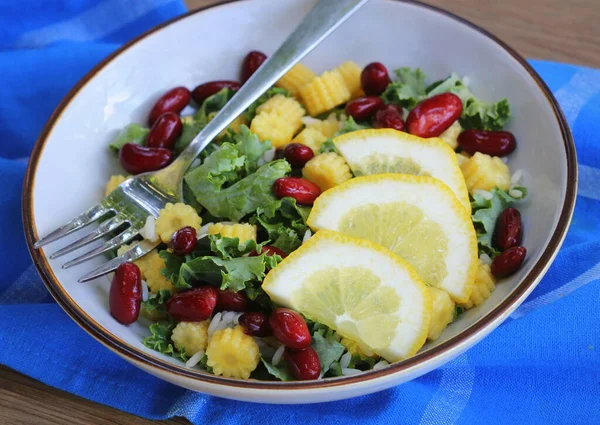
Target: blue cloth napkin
(541, 366)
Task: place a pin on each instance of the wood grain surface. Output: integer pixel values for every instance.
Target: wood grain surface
(559, 30)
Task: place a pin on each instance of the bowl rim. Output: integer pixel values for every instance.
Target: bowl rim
(469, 334)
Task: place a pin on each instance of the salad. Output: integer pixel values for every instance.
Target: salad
(337, 225)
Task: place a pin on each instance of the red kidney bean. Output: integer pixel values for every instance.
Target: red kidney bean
(508, 232)
(165, 131)
(256, 324)
(389, 116)
(495, 143)
(136, 159)
(304, 364)
(231, 301)
(183, 241)
(302, 190)
(298, 155)
(125, 296)
(509, 261)
(290, 328)
(363, 108)
(204, 91)
(433, 116)
(194, 305)
(172, 101)
(251, 63)
(278, 153)
(374, 79)
(270, 251)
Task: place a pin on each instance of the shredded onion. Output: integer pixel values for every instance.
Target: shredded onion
(484, 193)
(306, 236)
(515, 193)
(214, 323)
(485, 259)
(380, 365)
(144, 291)
(149, 230)
(349, 371)
(278, 355)
(345, 360)
(195, 359)
(203, 231)
(269, 155)
(306, 120)
(517, 177)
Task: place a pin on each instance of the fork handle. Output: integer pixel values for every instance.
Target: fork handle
(321, 21)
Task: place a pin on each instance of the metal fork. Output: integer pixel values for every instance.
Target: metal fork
(127, 207)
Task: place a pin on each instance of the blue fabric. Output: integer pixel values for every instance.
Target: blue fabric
(541, 366)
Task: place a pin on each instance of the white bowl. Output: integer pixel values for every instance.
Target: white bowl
(71, 161)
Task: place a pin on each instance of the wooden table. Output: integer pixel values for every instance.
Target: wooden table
(557, 30)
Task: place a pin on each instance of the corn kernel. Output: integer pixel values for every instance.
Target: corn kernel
(327, 170)
(442, 312)
(234, 126)
(325, 93)
(351, 73)
(450, 136)
(312, 138)
(296, 78)
(484, 172)
(243, 231)
(174, 217)
(278, 120)
(328, 127)
(356, 349)
(113, 182)
(232, 353)
(485, 283)
(191, 336)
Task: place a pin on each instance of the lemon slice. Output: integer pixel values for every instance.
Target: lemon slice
(416, 217)
(362, 290)
(390, 151)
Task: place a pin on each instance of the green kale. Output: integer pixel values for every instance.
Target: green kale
(280, 371)
(273, 91)
(485, 212)
(161, 341)
(407, 90)
(133, 133)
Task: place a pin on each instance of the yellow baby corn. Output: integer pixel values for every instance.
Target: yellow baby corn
(144, 263)
(175, 216)
(113, 182)
(483, 172)
(242, 231)
(281, 104)
(191, 336)
(151, 266)
(278, 120)
(296, 78)
(232, 353)
(442, 312)
(310, 137)
(355, 349)
(327, 170)
(234, 126)
(485, 283)
(450, 136)
(462, 158)
(351, 73)
(325, 93)
(328, 127)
